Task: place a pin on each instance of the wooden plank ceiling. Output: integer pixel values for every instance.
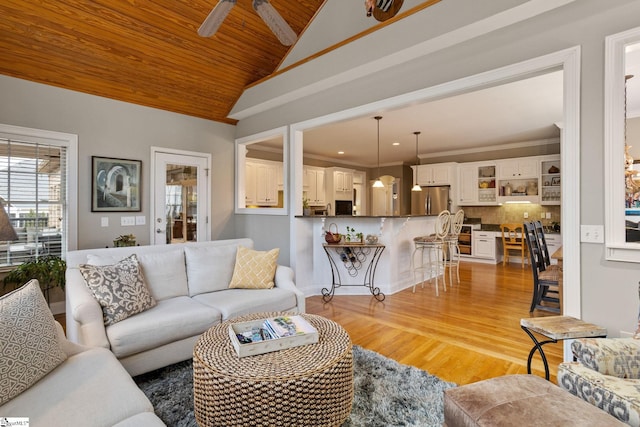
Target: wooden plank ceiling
(145, 52)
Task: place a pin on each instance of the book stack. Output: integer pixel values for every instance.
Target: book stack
(272, 334)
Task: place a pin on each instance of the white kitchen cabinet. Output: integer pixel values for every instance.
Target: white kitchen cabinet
(525, 167)
(468, 191)
(343, 181)
(314, 186)
(261, 186)
(436, 174)
(250, 184)
(484, 244)
(477, 183)
(551, 191)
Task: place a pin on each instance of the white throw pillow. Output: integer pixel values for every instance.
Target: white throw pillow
(209, 268)
(30, 347)
(119, 288)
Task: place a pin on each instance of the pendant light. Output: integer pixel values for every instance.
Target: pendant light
(416, 187)
(378, 183)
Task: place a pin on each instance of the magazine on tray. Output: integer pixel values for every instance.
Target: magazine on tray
(277, 327)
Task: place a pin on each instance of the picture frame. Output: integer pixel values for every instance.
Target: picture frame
(555, 180)
(115, 184)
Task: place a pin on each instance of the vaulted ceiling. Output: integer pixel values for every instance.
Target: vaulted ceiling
(145, 52)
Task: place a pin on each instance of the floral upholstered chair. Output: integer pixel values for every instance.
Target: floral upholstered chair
(606, 374)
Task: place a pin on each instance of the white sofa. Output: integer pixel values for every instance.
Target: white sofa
(189, 281)
(88, 387)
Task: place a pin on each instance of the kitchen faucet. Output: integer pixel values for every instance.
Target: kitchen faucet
(327, 211)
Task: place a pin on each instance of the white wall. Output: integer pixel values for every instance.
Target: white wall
(117, 129)
(609, 289)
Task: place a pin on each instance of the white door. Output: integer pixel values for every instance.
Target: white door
(180, 197)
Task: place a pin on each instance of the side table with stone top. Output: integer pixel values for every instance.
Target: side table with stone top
(556, 328)
(309, 385)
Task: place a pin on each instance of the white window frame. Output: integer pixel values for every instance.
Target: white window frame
(240, 157)
(70, 142)
(617, 248)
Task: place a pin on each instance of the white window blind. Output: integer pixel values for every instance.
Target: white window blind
(33, 182)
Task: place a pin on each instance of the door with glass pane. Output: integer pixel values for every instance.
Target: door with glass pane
(180, 198)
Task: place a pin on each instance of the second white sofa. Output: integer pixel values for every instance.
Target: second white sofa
(190, 284)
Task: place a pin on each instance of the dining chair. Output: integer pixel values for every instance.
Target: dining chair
(546, 286)
(513, 240)
(433, 245)
(452, 250)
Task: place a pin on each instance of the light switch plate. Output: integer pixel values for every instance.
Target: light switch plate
(548, 214)
(140, 220)
(127, 220)
(104, 221)
(592, 233)
(526, 215)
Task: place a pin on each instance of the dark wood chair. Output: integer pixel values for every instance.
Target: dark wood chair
(546, 282)
(542, 242)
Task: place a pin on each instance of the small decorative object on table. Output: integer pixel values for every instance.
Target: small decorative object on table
(125, 240)
(352, 236)
(332, 237)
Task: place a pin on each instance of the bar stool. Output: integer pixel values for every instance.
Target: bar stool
(452, 257)
(433, 245)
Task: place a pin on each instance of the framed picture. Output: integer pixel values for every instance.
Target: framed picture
(115, 185)
(555, 180)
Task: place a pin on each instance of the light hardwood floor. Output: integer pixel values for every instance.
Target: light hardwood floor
(467, 334)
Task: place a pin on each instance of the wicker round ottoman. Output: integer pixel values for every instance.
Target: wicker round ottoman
(310, 385)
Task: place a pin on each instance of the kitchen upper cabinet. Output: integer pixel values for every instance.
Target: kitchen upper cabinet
(468, 191)
(339, 184)
(343, 181)
(477, 184)
(551, 191)
(518, 168)
(436, 174)
(261, 182)
(314, 186)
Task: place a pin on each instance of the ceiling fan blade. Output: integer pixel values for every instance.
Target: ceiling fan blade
(215, 18)
(275, 22)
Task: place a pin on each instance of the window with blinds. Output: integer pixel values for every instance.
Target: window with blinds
(33, 182)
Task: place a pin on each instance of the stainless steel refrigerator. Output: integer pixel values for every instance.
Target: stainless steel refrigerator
(431, 200)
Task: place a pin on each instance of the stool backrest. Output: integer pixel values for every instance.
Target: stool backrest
(442, 224)
(455, 225)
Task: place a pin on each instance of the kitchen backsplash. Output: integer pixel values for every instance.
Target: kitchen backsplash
(513, 213)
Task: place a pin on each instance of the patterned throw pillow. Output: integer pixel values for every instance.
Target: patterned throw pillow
(29, 343)
(120, 289)
(254, 269)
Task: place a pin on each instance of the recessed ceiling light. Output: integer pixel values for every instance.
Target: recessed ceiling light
(396, 143)
(340, 152)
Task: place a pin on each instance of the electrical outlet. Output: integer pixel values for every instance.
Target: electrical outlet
(104, 221)
(541, 215)
(526, 215)
(548, 214)
(592, 233)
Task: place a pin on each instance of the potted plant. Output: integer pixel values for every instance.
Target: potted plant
(352, 236)
(125, 240)
(306, 210)
(48, 270)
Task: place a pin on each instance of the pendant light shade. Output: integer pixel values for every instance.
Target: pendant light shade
(378, 183)
(416, 187)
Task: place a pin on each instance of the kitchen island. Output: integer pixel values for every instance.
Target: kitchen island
(393, 270)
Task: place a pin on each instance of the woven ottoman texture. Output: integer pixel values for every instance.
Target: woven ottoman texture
(519, 400)
(310, 385)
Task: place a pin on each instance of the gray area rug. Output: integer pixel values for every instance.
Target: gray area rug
(386, 393)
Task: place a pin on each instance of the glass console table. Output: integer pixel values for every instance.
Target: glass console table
(353, 256)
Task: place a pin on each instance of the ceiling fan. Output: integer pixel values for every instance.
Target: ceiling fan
(269, 15)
